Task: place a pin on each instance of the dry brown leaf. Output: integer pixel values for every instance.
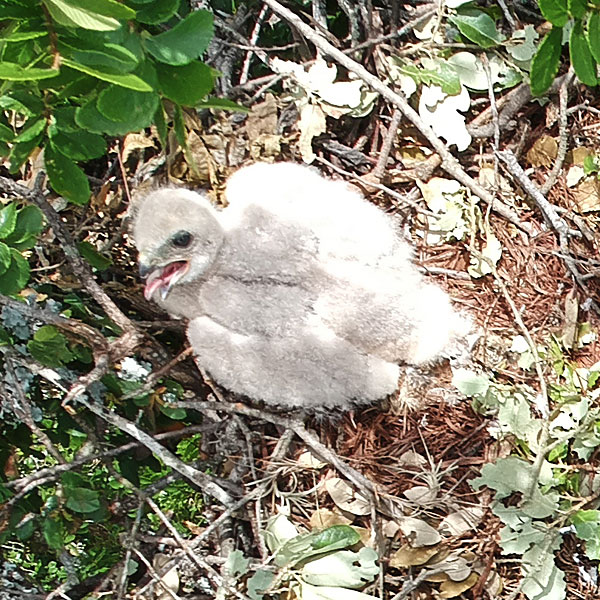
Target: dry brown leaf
(421, 494)
(569, 335)
(323, 518)
(461, 521)
(407, 556)
(587, 195)
(307, 460)
(543, 152)
(312, 123)
(578, 155)
(418, 532)
(262, 119)
(451, 589)
(346, 498)
(135, 141)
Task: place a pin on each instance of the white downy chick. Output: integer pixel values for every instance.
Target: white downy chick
(300, 293)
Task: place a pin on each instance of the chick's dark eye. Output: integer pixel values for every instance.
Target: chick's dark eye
(182, 239)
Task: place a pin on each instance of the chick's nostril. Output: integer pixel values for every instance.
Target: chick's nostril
(144, 270)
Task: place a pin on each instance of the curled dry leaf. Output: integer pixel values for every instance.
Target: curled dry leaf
(452, 589)
(407, 556)
(418, 532)
(308, 460)
(543, 152)
(421, 494)
(461, 521)
(323, 518)
(346, 498)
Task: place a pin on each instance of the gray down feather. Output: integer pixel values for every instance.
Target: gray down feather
(300, 293)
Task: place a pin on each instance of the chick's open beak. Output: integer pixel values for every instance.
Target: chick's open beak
(162, 278)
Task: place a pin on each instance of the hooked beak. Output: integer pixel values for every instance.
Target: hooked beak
(162, 278)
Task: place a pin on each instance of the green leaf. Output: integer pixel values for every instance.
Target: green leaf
(15, 278)
(21, 36)
(478, 27)
(53, 533)
(555, 11)
(112, 58)
(226, 104)
(126, 80)
(304, 546)
(14, 72)
(593, 35)
(121, 105)
(49, 347)
(29, 224)
(545, 63)
(237, 564)
(97, 260)
(161, 124)
(32, 129)
(177, 414)
(82, 500)
(5, 257)
(66, 178)
(8, 219)
(587, 526)
(445, 76)
(6, 133)
(79, 145)
(577, 8)
(185, 42)
(89, 117)
(259, 583)
(97, 15)
(157, 11)
(583, 62)
(185, 85)
(23, 101)
(469, 383)
(19, 153)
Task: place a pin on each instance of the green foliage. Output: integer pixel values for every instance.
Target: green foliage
(77, 72)
(545, 490)
(583, 22)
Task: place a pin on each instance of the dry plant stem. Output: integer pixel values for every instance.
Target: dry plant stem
(552, 217)
(22, 410)
(253, 39)
(543, 406)
(296, 425)
(410, 585)
(53, 473)
(509, 105)
(206, 482)
(154, 377)
(156, 578)
(549, 213)
(129, 548)
(193, 556)
(387, 145)
(80, 268)
(563, 98)
(449, 163)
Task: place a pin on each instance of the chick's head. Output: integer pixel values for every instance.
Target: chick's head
(178, 236)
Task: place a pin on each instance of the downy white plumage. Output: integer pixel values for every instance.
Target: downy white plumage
(299, 293)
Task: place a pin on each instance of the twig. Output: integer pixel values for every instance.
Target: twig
(253, 39)
(562, 138)
(449, 163)
(79, 267)
(387, 145)
(209, 484)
